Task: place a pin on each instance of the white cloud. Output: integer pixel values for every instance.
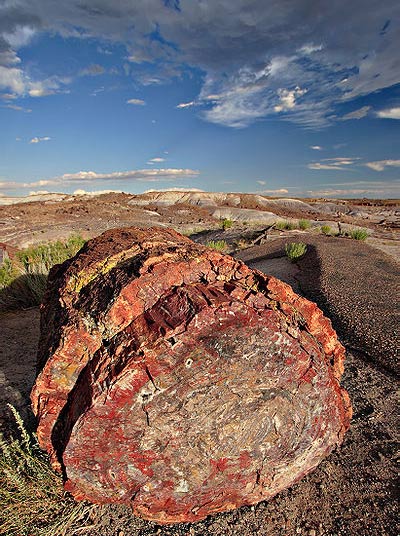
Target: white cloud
(85, 177)
(136, 102)
(12, 79)
(364, 189)
(334, 164)
(156, 160)
(96, 192)
(185, 104)
(309, 49)
(357, 114)
(137, 175)
(278, 191)
(38, 140)
(318, 165)
(316, 147)
(38, 192)
(174, 189)
(380, 165)
(249, 55)
(288, 98)
(262, 183)
(389, 113)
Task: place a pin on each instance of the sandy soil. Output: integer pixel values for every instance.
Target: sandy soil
(353, 491)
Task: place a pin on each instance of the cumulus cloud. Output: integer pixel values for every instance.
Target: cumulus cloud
(136, 102)
(39, 140)
(357, 114)
(380, 165)
(288, 98)
(246, 56)
(389, 113)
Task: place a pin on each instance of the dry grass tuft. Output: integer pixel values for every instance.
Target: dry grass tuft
(32, 498)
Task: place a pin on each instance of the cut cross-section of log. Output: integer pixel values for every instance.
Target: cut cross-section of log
(177, 380)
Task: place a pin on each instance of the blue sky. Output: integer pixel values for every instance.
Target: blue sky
(295, 97)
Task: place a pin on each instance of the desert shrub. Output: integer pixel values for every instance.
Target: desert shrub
(326, 230)
(219, 245)
(32, 498)
(285, 226)
(226, 224)
(40, 258)
(304, 224)
(8, 272)
(23, 279)
(295, 250)
(358, 234)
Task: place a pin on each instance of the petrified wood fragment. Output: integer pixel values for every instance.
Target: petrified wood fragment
(178, 380)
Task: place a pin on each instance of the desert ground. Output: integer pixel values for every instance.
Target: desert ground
(353, 491)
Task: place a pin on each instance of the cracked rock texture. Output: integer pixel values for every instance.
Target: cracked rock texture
(181, 382)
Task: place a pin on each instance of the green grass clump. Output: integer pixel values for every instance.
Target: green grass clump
(23, 279)
(285, 226)
(226, 224)
(295, 250)
(326, 230)
(32, 498)
(304, 224)
(219, 245)
(359, 234)
(40, 258)
(8, 272)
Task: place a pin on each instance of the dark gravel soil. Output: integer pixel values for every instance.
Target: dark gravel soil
(357, 286)
(353, 491)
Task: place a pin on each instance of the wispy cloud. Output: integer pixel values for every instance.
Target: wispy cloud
(156, 160)
(39, 140)
(357, 114)
(253, 59)
(93, 69)
(85, 177)
(186, 104)
(389, 113)
(316, 147)
(335, 164)
(136, 102)
(380, 165)
(18, 108)
(277, 191)
(382, 189)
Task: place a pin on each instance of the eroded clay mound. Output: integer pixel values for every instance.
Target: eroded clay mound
(177, 380)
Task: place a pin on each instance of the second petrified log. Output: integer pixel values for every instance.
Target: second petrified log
(181, 382)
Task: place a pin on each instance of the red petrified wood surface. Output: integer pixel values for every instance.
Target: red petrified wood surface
(177, 380)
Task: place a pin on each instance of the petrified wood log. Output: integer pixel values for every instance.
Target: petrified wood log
(181, 382)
